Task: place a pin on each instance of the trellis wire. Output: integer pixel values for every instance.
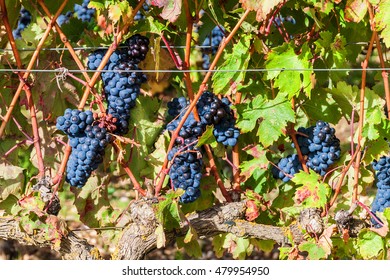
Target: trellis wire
(61, 70)
(106, 48)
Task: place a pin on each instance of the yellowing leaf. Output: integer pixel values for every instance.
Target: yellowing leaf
(355, 10)
(114, 13)
(313, 192)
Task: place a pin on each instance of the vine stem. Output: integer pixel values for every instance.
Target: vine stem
(293, 135)
(187, 80)
(26, 87)
(385, 74)
(361, 117)
(197, 96)
(90, 86)
(236, 155)
(343, 174)
(29, 67)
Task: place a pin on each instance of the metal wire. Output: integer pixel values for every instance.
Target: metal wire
(60, 70)
(120, 47)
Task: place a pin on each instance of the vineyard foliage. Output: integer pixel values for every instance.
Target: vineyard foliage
(301, 87)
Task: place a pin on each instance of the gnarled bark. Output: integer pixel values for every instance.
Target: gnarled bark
(139, 238)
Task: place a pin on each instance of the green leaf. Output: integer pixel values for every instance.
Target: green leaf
(242, 248)
(290, 82)
(168, 211)
(274, 116)
(93, 205)
(315, 251)
(192, 248)
(226, 82)
(207, 137)
(259, 161)
(382, 21)
(370, 245)
(313, 192)
(150, 25)
(98, 5)
(218, 242)
(263, 245)
(10, 205)
(321, 106)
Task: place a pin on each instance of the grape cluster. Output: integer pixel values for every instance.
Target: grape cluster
(177, 105)
(87, 141)
(213, 110)
(210, 45)
(23, 22)
(319, 145)
(74, 122)
(287, 166)
(139, 16)
(382, 198)
(138, 47)
(186, 170)
(65, 18)
(122, 85)
(83, 12)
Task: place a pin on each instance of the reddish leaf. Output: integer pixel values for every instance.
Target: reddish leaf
(171, 9)
(252, 210)
(262, 7)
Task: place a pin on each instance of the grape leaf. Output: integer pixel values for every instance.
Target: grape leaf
(370, 245)
(11, 179)
(259, 161)
(290, 82)
(274, 115)
(262, 7)
(355, 10)
(171, 9)
(93, 205)
(226, 82)
(313, 192)
(168, 211)
(314, 250)
(382, 20)
(321, 106)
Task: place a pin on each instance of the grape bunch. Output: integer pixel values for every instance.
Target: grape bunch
(83, 12)
(287, 167)
(213, 110)
(210, 45)
(382, 198)
(23, 22)
(185, 172)
(87, 141)
(139, 15)
(64, 19)
(122, 84)
(74, 122)
(319, 145)
(138, 47)
(177, 105)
